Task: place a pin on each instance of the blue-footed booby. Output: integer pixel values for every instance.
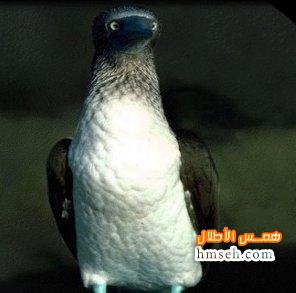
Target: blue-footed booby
(128, 193)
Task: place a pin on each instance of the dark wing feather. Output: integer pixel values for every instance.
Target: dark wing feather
(59, 179)
(199, 177)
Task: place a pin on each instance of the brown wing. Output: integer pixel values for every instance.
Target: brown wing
(199, 177)
(59, 179)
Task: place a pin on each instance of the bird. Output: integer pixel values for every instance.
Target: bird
(129, 193)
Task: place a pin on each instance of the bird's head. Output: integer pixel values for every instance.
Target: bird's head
(124, 29)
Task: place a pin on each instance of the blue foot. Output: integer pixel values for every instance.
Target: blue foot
(177, 289)
(99, 288)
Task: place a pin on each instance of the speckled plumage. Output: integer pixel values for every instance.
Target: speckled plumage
(132, 223)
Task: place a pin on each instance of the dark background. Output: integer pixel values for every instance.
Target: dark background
(226, 69)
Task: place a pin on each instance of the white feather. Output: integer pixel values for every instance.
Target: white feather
(133, 227)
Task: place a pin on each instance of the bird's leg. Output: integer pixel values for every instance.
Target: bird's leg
(177, 289)
(99, 288)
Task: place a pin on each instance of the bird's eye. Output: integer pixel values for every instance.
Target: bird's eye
(154, 26)
(114, 25)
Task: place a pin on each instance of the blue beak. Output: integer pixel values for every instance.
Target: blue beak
(136, 28)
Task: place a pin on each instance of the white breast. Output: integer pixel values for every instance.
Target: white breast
(132, 224)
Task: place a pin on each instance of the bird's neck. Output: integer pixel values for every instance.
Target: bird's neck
(127, 83)
(125, 73)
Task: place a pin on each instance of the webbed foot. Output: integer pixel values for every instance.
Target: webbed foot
(177, 289)
(99, 288)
